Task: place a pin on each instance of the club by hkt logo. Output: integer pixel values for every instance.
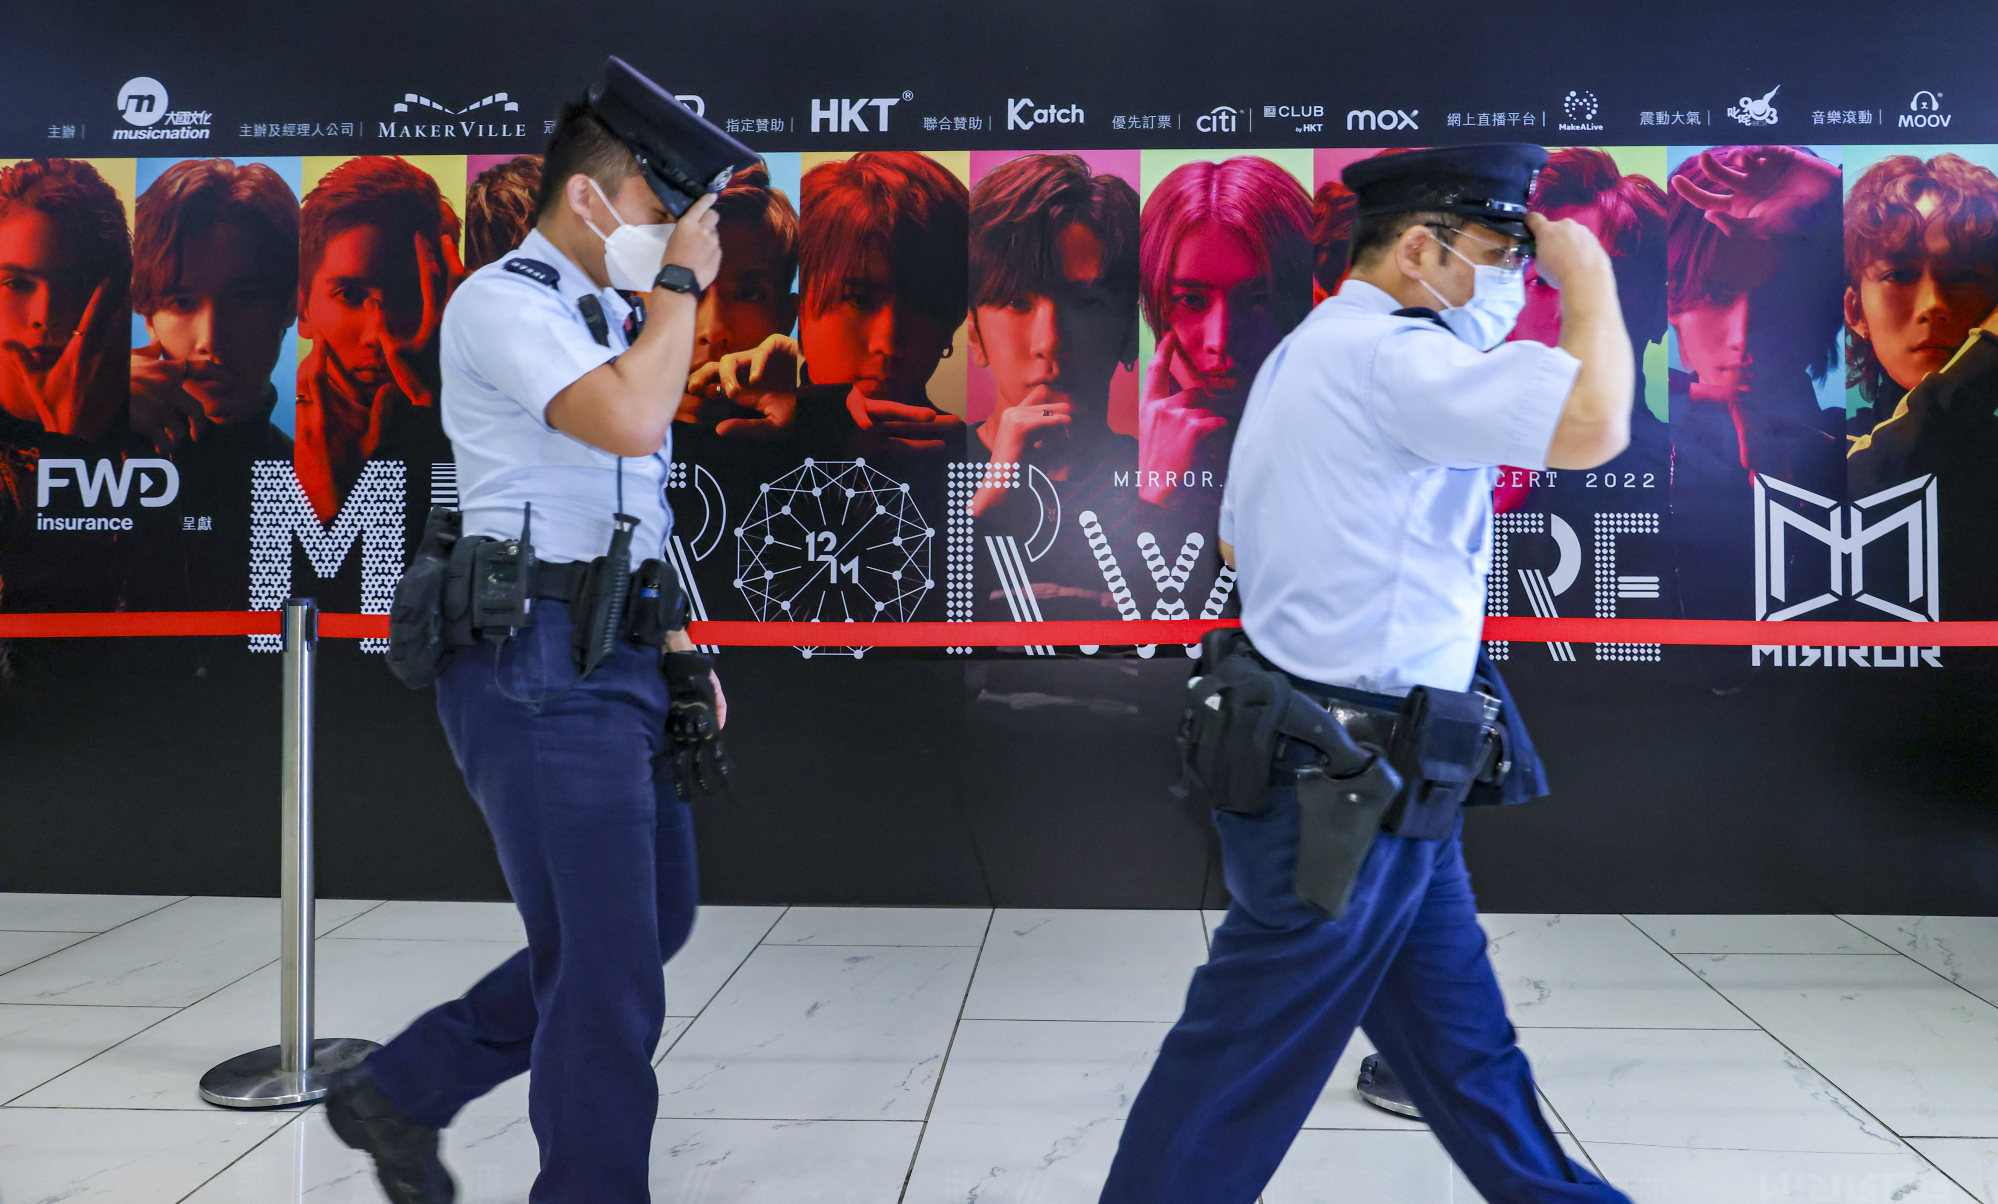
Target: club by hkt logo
(1750, 110)
(143, 104)
(1022, 114)
(462, 123)
(148, 483)
(1383, 119)
(1898, 525)
(850, 116)
(1925, 112)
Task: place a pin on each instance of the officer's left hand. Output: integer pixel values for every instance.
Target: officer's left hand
(695, 715)
(412, 362)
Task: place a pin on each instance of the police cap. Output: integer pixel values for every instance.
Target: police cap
(1488, 184)
(680, 154)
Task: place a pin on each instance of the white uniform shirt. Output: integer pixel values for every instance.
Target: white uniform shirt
(510, 344)
(1359, 490)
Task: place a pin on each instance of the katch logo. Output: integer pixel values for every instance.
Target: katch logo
(1925, 112)
(1224, 119)
(1752, 111)
(475, 120)
(1022, 115)
(143, 104)
(1382, 119)
(1904, 516)
(843, 116)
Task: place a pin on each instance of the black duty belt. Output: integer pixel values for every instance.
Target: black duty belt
(560, 580)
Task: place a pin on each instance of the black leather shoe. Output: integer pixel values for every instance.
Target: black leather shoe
(405, 1153)
(1380, 1087)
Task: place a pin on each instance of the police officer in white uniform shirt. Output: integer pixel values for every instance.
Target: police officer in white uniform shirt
(1358, 514)
(559, 397)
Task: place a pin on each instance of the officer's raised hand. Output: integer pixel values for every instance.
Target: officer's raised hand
(696, 241)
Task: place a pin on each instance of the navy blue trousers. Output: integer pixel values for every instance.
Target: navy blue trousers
(1283, 989)
(599, 854)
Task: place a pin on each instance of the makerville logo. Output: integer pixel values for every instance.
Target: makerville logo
(1021, 114)
(1925, 112)
(1580, 107)
(143, 103)
(150, 483)
(458, 123)
(1752, 111)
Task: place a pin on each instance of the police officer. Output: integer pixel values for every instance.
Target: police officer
(557, 398)
(1358, 515)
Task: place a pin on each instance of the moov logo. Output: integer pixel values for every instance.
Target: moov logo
(1925, 112)
(844, 116)
(1022, 115)
(143, 104)
(1224, 119)
(1383, 119)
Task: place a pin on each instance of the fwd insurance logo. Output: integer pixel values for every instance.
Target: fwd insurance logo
(1022, 114)
(151, 483)
(847, 116)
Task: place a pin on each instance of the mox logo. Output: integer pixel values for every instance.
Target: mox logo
(842, 116)
(1022, 115)
(1382, 119)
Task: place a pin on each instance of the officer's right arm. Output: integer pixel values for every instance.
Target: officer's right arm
(626, 406)
(1595, 420)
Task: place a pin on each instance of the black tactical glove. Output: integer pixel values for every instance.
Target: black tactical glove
(693, 726)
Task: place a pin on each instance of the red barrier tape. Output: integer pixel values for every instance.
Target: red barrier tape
(1105, 633)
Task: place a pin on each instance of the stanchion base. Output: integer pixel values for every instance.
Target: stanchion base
(258, 1080)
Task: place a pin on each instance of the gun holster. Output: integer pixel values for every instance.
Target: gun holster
(417, 640)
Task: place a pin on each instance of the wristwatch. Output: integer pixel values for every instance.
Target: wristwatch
(676, 278)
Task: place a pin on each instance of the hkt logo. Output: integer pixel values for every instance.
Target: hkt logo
(1022, 115)
(850, 116)
(697, 105)
(1382, 119)
(1784, 511)
(1750, 111)
(1925, 112)
(1221, 121)
(143, 103)
(106, 481)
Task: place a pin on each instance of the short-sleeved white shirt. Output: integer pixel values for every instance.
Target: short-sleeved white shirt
(1359, 490)
(510, 343)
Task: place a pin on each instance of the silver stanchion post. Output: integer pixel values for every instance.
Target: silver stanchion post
(295, 1070)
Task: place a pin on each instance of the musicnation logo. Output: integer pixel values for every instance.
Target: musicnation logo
(496, 103)
(143, 104)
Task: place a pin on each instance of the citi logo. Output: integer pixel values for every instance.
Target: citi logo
(1925, 112)
(1383, 119)
(157, 482)
(1223, 120)
(841, 116)
(1022, 115)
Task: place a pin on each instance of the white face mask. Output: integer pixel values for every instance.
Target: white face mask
(633, 255)
(1498, 295)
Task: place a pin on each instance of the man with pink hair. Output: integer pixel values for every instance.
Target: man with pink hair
(1225, 271)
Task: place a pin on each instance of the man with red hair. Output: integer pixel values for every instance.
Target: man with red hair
(499, 209)
(377, 259)
(1225, 271)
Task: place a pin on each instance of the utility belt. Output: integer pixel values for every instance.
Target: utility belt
(1403, 766)
(462, 590)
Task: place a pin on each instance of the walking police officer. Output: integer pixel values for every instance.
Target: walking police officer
(558, 395)
(1340, 738)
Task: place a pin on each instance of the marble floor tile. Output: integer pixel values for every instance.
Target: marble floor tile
(1972, 1162)
(435, 921)
(1087, 965)
(367, 989)
(169, 958)
(1911, 1048)
(493, 1158)
(17, 949)
(50, 1154)
(1345, 1167)
(1597, 971)
(754, 1161)
(1656, 1175)
(1030, 1110)
(1340, 1106)
(75, 913)
(881, 926)
(821, 1033)
(1711, 1089)
(1756, 934)
(39, 1043)
(1211, 919)
(723, 937)
(1963, 949)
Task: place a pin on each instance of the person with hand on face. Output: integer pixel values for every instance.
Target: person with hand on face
(745, 378)
(1358, 513)
(1225, 265)
(378, 258)
(559, 402)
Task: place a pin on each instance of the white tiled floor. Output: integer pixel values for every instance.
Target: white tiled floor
(934, 1056)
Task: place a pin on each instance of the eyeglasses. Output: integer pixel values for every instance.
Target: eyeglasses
(1515, 257)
